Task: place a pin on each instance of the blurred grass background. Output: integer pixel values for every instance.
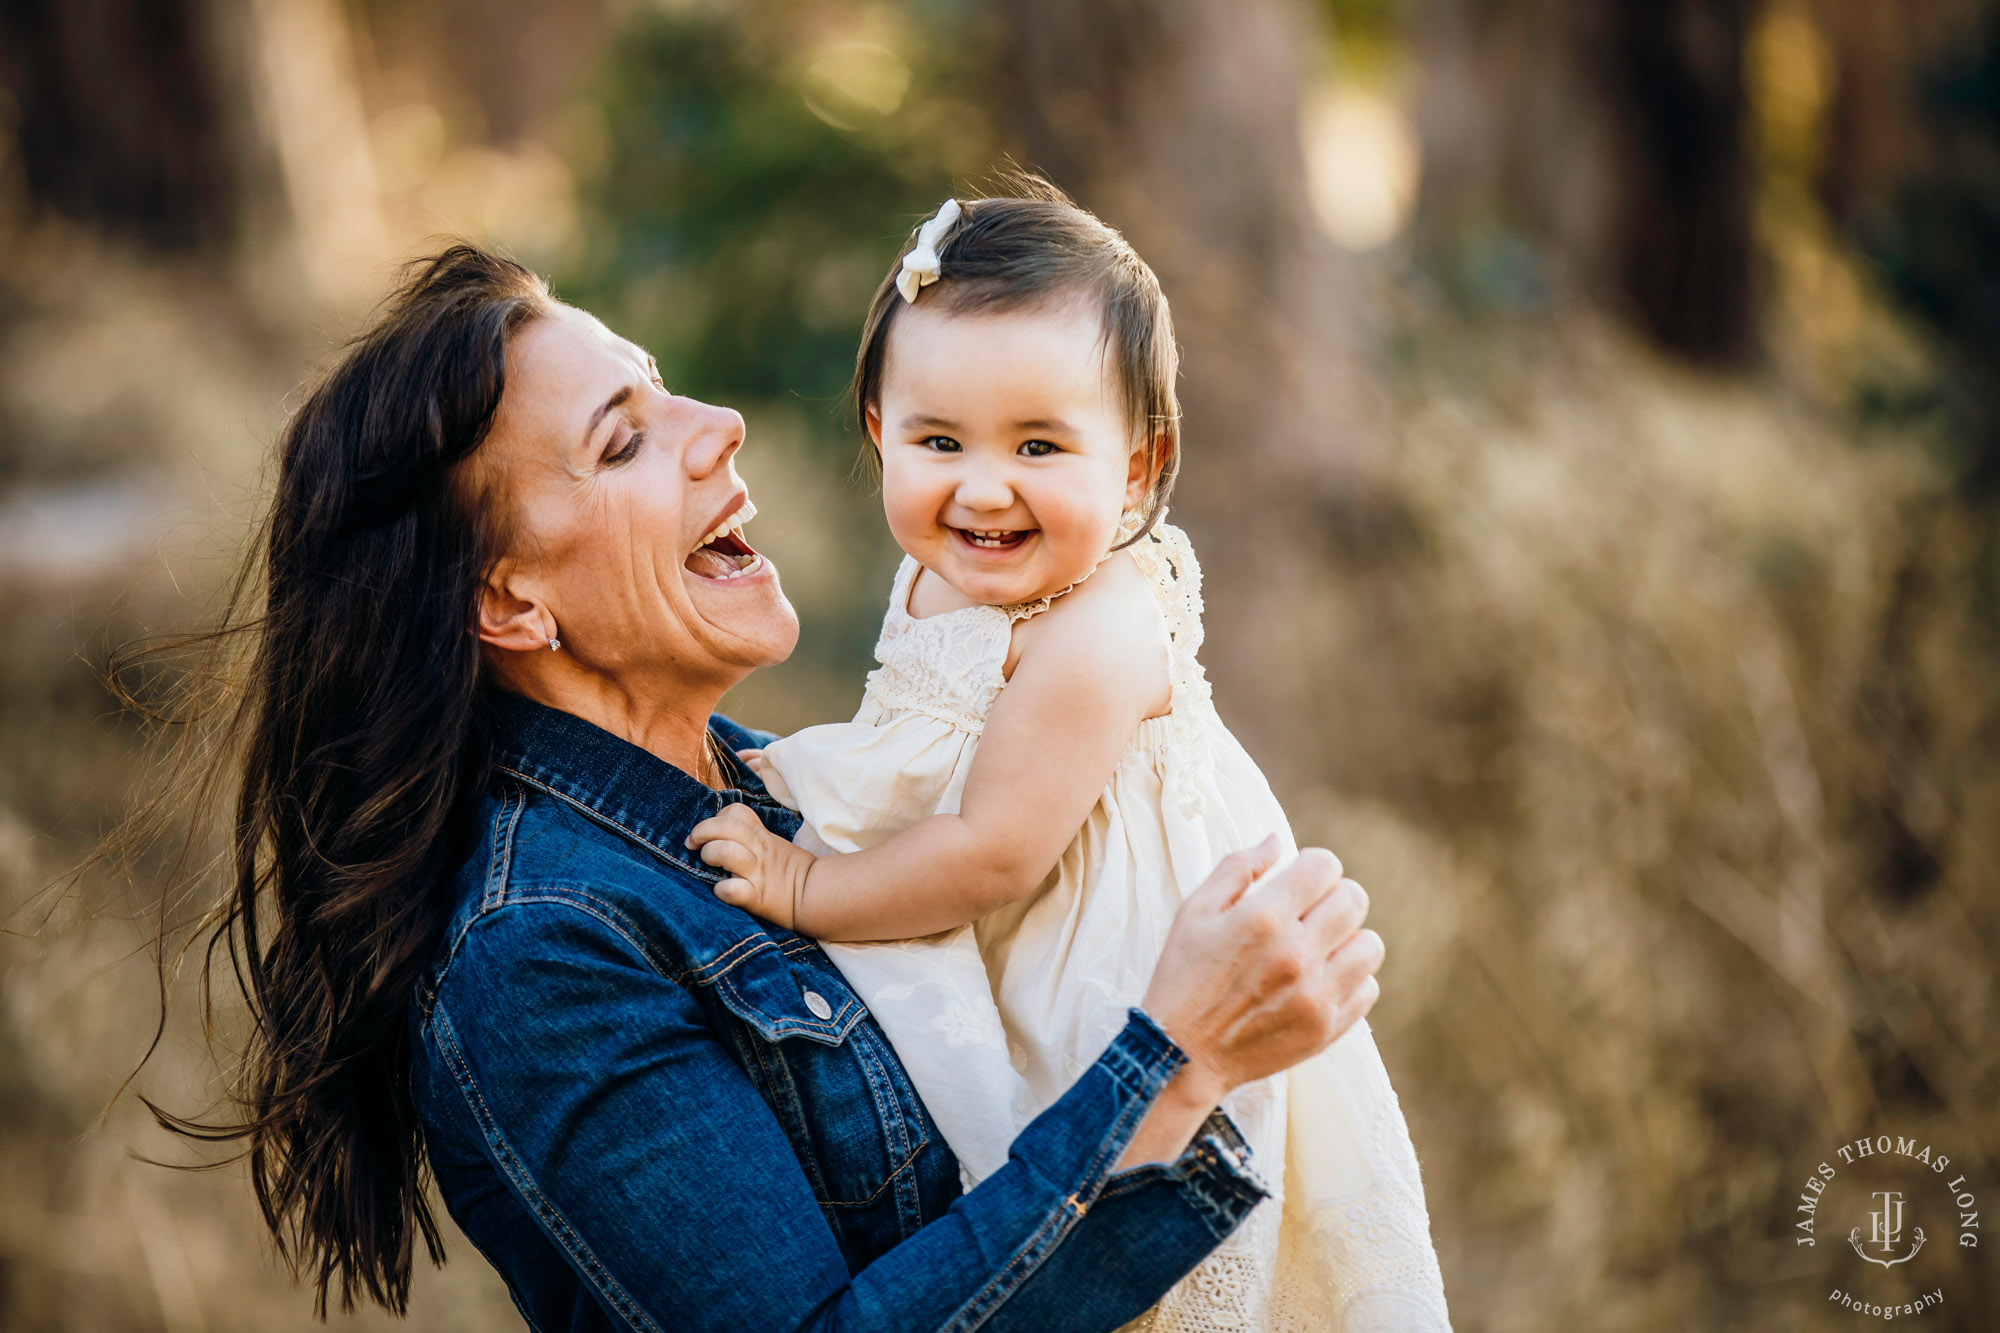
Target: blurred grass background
(1593, 420)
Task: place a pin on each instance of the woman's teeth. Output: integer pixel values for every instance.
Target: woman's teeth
(731, 525)
(723, 554)
(718, 567)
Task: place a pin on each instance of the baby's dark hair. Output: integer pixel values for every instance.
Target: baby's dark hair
(1034, 247)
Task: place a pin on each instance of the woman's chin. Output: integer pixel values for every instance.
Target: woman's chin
(748, 610)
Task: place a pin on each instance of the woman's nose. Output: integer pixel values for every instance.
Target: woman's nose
(718, 434)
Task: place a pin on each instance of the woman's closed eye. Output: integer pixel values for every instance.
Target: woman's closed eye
(626, 452)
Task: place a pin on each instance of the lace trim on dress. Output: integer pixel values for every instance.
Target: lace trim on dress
(1166, 557)
(947, 666)
(1020, 611)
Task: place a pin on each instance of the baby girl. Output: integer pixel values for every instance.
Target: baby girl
(999, 839)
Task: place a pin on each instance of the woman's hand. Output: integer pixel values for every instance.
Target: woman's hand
(1249, 984)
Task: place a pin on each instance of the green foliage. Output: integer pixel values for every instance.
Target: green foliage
(754, 189)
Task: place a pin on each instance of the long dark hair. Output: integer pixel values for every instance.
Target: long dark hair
(347, 721)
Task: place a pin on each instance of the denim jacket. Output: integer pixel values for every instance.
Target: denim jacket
(650, 1110)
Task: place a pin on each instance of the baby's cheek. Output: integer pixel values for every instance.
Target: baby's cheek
(912, 519)
(1079, 532)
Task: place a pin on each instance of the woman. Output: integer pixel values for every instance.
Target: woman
(478, 728)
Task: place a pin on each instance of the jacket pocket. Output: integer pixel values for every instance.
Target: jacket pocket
(837, 1087)
(790, 994)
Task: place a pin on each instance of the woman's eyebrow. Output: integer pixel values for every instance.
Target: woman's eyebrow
(595, 417)
(1053, 425)
(921, 421)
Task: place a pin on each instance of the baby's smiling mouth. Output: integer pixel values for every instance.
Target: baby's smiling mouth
(723, 554)
(994, 539)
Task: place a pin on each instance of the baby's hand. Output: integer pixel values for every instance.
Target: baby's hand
(768, 872)
(754, 759)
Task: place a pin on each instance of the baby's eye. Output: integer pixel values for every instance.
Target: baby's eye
(1039, 449)
(943, 444)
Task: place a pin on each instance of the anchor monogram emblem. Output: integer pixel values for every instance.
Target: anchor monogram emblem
(1886, 1230)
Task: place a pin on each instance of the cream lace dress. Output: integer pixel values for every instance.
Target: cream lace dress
(996, 1019)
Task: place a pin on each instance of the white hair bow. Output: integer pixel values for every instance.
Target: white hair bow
(921, 266)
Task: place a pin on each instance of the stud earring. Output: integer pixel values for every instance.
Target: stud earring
(554, 645)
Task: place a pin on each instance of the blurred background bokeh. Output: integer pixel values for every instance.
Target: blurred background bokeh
(1593, 419)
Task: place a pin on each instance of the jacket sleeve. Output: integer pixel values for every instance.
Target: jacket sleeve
(600, 1096)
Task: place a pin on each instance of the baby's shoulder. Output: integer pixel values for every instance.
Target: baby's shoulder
(1112, 618)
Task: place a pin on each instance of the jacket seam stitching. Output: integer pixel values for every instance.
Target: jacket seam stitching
(539, 1204)
(582, 901)
(592, 812)
(887, 1180)
(504, 824)
(501, 849)
(1033, 1253)
(707, 972)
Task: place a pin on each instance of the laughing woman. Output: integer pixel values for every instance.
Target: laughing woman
(504, 586)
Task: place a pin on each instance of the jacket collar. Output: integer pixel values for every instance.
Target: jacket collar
(620, 785)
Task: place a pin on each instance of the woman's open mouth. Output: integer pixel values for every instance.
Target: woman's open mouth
(723, 554)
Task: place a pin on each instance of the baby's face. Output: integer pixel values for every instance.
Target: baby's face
(1007, 456)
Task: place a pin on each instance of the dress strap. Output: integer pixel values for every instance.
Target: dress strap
(899, 591)
(1167, 559)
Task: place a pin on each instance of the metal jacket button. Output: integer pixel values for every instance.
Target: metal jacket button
(817, 1003)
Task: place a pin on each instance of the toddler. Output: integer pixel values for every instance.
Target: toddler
(995, 846)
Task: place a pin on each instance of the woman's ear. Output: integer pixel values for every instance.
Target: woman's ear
(509, 620)
(873, 416)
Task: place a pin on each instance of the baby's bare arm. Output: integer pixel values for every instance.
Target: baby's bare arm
(1088, 671)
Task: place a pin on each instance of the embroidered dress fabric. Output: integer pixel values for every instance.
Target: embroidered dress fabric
(995, 1019)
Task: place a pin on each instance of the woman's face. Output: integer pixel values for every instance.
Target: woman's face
(611, 488)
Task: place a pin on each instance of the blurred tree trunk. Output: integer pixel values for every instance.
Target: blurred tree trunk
(1621, 147)
(128, 115)
(1909, 175)
(1178, 122)
(1681, 242)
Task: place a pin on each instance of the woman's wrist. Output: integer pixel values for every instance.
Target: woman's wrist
(1176, 1116)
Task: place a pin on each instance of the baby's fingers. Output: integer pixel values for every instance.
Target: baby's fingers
(731, 856)
(736, 892)
(735, 822)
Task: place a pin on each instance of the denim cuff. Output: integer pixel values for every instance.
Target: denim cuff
(1143, 1057)
(1217, 1177)
(1214, 1174)
(1074, 1144)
